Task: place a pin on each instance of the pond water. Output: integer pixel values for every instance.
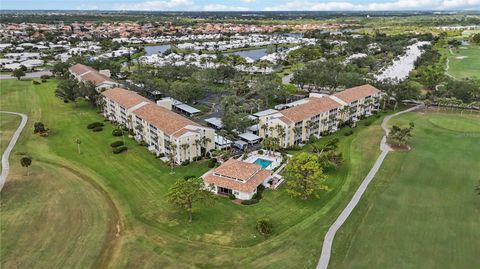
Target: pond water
(255, 54)
(401, 67)
(150, 50)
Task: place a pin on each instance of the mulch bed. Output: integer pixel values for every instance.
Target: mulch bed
(400, 147)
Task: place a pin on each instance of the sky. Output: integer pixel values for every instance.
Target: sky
(242, 5)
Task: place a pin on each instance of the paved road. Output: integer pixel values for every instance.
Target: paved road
(36, 74)
(13, 141)
(328, 241)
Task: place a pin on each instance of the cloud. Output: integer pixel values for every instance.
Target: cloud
(156, 5)
(220, 7)
(394, 5)
(248, 1)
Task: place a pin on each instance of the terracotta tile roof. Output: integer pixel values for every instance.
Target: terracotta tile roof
(89, 74)
(252, 174)
(167, 121)
(79, 69)
(96, 78)
(314, 106)
(125, 98)
(357, 93)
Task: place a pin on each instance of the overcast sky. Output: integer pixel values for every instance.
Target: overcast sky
(242, 5)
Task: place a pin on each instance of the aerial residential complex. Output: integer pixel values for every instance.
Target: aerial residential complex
(317, 114)
(162, 129)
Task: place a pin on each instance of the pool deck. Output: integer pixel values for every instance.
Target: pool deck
(275, 158)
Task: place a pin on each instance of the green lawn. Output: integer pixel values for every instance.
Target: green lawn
(421, 210)
(69, 211)
(465, 62)
(8, 125)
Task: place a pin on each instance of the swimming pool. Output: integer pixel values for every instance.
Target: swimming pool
(263, 163)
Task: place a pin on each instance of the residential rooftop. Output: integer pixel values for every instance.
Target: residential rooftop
(356, 93)
(237, 175)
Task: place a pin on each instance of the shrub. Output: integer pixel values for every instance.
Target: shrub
(264, 226)
(95, 124)
(44, 80)
(97, 129)
(348, 133)
(249, 202)
(143, 144)
(44, 76)
(231, 196)
(212, 163)
(260, 151)
(118, 150)
(186, 162)
(187, 177)
(116, 144)
(258, 195)
(161, 155)
(117, 132)
(39, 127)
(35, 82)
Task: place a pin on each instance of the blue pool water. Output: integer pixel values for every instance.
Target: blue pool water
(263, 163)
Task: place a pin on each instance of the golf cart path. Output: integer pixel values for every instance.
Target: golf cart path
(329, 236)
(8, 150)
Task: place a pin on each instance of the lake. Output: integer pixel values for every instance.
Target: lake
(255, 54)
(150, 50)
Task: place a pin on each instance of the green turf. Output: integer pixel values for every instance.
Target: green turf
(464, 62)
(130, 189)
(421, 210)
(8, 125)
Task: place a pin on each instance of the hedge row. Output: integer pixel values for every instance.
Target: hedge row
(95, 125)
(116, 144)
(118, 150)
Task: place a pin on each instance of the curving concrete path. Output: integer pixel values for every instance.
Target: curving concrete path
(8, 150)
(328, 241)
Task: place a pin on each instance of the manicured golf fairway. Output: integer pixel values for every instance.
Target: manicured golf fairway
(421, 210)
(96, 209)
(465, 62)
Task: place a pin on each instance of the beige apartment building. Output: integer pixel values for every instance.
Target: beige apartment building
(101, 79)
(163, 130)
(317, 114)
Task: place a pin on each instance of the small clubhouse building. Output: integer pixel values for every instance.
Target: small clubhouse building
(237, 177)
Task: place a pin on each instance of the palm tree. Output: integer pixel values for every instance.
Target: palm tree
(205, 140)
(123, 128)
(172, 152)
(26, 162)
(324, 122)
(281, 134)
(264, 127)
(78, 142)
(197, 144)
(184, 147)
(296, 131)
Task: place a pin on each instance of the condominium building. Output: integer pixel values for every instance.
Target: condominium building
(317, 114)
(85, 73)
(164, 131)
